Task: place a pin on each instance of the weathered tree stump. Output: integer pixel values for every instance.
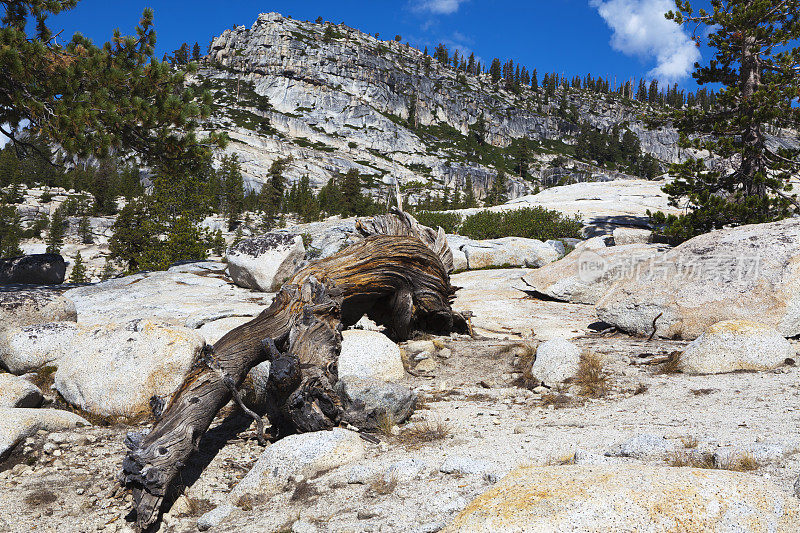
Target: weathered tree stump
(397, 281)
(399, 222)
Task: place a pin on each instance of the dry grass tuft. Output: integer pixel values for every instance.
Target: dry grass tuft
(385, 425)
(524, 356)
(382, 486)
(424, 432)
(246, 502)
(640, 389)
(200, 506)
(479, 397)
(405, 357)
(672, 365)
(567, 458)
(689, 442)
(592, 380)
(692, 459)
(744, 462)
(557, 399)
(423, 402)
(39, 498)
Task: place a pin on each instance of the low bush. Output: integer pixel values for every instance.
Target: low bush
(449, 222)
(424, 432)
(592, 379)
(529, 222)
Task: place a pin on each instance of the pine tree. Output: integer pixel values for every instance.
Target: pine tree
(156, 230)
(495, 71)
(85, 230)
(181, 57)
(534, 81)
(469, 194)
(108, 270)
(196, 52)
(627, 89)
(232, 185)
(498, 196)
(525, 79)
(480, 130)
(86, 93)
(522, 158)
(652, 94)
(271, 195)
(55, 237)
(301, 200)
(180, 189)
(456, 202)
(10, 231)
(78, 274)
(134, 233)
(330, 197)
(184, 242)
(641, 92)
(445, 198)
(354, 202)
(758, 69)
(441, 54)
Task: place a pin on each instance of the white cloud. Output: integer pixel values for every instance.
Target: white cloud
(460, 37)
(640, 29)
(438, 7)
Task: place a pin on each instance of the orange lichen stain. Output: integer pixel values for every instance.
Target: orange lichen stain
(508, 502)
(737, 326)
(666, 500)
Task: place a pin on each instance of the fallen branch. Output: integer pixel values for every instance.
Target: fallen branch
(397, 281)
(653, 334)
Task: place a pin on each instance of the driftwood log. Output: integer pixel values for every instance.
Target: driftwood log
(397, 281)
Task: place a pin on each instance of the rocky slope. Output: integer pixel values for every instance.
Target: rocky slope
(282, 89)
(544, 405)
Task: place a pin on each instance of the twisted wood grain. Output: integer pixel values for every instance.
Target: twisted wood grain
(398, 222)
(396, 280)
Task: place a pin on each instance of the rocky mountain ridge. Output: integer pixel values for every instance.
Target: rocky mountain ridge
(350, 100)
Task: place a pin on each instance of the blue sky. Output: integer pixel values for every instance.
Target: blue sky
(626, 38)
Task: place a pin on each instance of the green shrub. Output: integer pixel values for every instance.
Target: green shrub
(529, 222)
(450, 222)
